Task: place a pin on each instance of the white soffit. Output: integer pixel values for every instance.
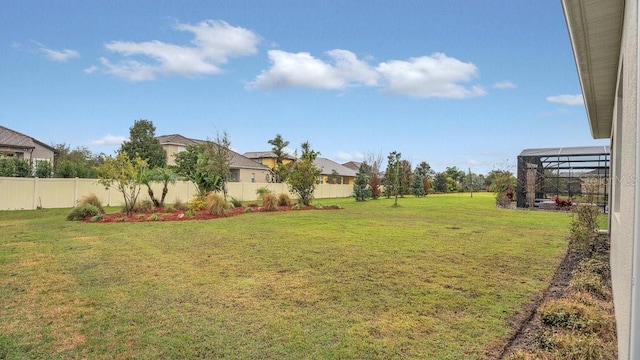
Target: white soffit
(595, 30)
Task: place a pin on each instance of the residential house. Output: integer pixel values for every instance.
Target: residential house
(604, 36)
(268, 158)
(353, 165)
(333, 173)
(24, 147)
(243, 169)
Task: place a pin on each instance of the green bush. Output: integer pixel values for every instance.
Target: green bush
(217, 205)
(235, 202)
(569, 314)
(143, 206)
(284, 200)
(154, 217)
(584, 226)
(82, 212)
(97, 218)
(197, 203)
(248, 210)
(269, 202)
(93, 200)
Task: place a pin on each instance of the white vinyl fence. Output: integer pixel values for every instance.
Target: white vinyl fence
(34, 193)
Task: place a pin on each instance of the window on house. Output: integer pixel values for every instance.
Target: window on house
(253, 177)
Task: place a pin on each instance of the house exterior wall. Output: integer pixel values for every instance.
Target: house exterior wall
(623, 179)
(42, 153)
(171, 151)
(252, 175)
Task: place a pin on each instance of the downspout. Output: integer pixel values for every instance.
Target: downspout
(634, 333)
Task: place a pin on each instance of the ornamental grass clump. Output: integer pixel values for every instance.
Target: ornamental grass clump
(217, 205)
(83, 211)
(284, 199)
(269, 202)
(93, 200)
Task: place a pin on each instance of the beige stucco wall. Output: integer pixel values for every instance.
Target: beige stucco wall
(32, 193)
(171, 150)
(41, 152)
(623, 179)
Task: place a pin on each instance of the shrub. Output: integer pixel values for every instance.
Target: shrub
(562, 203)
(584, 226)
(154, 217)
(569, 314)
(143, 206)
(235, 202)
(93, 200)
(297, 206)
(197, 203)
(97, 218)
(217, 205)
(591, 283)
(269, 202)
(503, 200)
(284, 200)
(248, 210)
(179, 205)
(82, 212)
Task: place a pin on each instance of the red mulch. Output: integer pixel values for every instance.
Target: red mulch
(181, 215)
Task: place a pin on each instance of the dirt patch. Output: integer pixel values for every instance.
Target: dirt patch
(182, 215)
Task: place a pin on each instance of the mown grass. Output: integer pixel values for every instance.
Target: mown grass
(437, 277)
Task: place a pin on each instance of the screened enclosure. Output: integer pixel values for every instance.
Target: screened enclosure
(577, 173)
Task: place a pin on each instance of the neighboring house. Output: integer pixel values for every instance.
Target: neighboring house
(13, 143)
(243, 169)
(268, 158)
(353, 165)
(604, 36)
(333, 173)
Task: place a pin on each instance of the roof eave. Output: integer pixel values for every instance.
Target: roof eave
(595, 31)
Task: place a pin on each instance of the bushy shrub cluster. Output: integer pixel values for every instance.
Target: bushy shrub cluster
(197, 203)
(88, 206)
(269, 202)
(143, 206)
(217, 205)
(284, 200)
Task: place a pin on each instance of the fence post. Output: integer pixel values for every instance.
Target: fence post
(35, 193)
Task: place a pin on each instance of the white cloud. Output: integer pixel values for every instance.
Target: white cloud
(109, 140)
(428, 76)
(504, 85)
(303, 70)
(57, 55)
(91, 69)
(567, 99)
(343, 157)
(215, 42)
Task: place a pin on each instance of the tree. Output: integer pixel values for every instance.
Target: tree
(146, 177)
(360, 190)
(303, 176)
(79, 162)
(334, 177)
(405, 178)
(166, 176)
(392, 175)
(373, 163)
(193, 164)
(220, 159)
(455, 178)
(440, 182)
(417, 187)
(426, 173)
(123, 174)
(499, 181)
(143, 144)
(278, 150)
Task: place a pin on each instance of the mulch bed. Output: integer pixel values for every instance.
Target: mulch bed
(182, 215)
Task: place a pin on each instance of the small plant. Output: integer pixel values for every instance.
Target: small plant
(269, 202)
(297, 206)
(154, 217)
(217, 205)
(248, 210)
(97, 218)
(179, 205)
(140, 216)
(584, 226)
(263, 190)
(197, 203)
(122, 219)
(83, 211)
(284, 200)
(143, 206)
(589, 282)
(189, 213)
(235, 202)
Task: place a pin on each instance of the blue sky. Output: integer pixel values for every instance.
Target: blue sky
(454, 83)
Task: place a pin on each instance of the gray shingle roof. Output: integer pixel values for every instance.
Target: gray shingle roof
(237, 161)
(327, 167)
(13, 139)
(265, 154)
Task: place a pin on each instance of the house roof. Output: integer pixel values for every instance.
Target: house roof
(265, 154)
(327, 167)
(595, 31)
(353, 165)
(237, 161)
(13, 139)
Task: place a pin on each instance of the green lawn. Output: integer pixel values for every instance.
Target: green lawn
(437, 277)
